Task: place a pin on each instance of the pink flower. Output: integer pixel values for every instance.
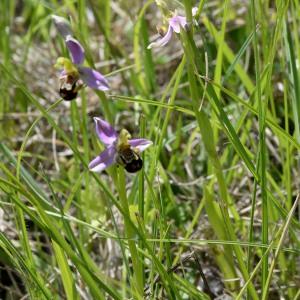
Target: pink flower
(73, 70)
(176, 23)
(120, 148)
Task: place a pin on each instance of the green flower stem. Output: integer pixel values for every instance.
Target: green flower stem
(261, 167)
(130, 234)
(142, 172)
(141, 194)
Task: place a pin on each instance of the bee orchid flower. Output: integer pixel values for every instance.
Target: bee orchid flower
(74, 74)
(176, 23)
(120, 149)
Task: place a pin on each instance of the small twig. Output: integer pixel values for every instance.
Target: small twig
(206, 288)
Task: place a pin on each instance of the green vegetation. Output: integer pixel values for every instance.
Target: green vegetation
(214, 210)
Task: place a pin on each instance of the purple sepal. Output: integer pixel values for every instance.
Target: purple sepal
(105, 131)
(177, 22)
(93, 78)
(76, 50)
(104, 160)
(163, 41)
(62, 26)
(140, 144)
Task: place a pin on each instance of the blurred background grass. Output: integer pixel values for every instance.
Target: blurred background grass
(216, 197)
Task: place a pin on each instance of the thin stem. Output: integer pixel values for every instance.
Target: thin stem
(141, 194)
(262, 147)
(130, 234)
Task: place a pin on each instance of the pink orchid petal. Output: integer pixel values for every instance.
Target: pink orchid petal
(105, 131)
(93, 79)
(76, 50)
(163, 41)
(177, 22)
(140, 144)
(104, 160)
